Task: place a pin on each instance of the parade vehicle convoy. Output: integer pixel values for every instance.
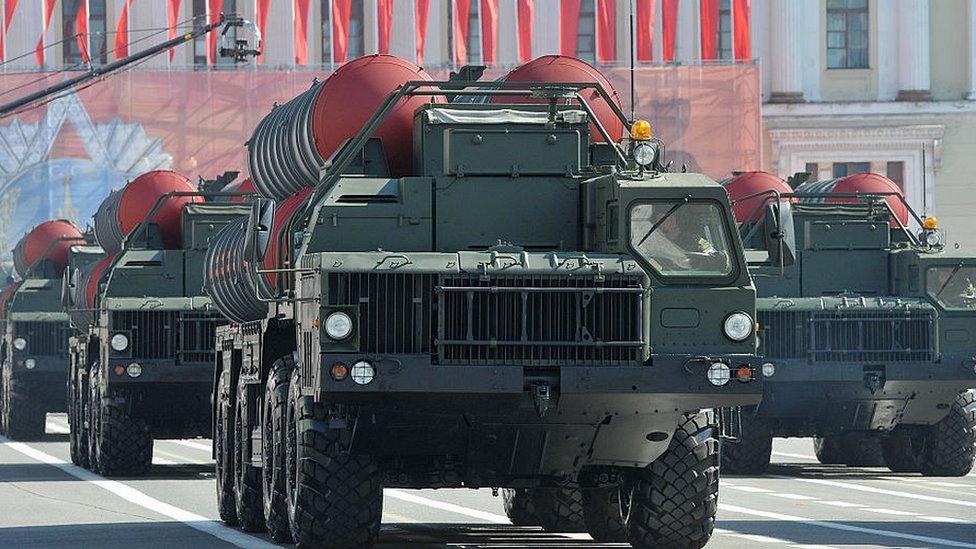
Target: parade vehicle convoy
(142, 362)
(496, 293)
(867, 326)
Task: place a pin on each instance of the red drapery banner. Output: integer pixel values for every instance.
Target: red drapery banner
(740, 29)
(261, 9)
(568, 26)
(45, 22)
(8, 14)
(422, 8)
(213, 15)
(301, 32)
(606, 30)
(341, 14)
(709, 29)
(121, 45)
(461, 18)
(645, 30)
(525, 19)
(172, 19)
(489, 31)
(669, 24)
(81, 30)
(384, 23)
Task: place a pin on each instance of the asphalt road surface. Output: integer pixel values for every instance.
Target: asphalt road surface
(47, 502)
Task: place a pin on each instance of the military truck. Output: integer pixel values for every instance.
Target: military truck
(34, 348)
(143, 365)
(866, 325)
(514, 299)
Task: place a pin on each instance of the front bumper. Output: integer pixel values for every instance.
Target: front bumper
(159, 371)
(804, 399)
(45, 367)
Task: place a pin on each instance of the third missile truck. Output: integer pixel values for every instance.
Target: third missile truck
(499, 292)
(867, 324)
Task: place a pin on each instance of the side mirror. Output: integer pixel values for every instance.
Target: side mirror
(259, 225)
(779, 235)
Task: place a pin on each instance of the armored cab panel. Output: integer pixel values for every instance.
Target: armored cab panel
(140, 273)
(201, 223)
(841, 255)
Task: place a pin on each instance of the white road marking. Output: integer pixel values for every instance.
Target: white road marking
(449, 507)
(130, 494)
(845, 527)
(162, 461)
(751, 489)
(845, 504)
(952, 484)
(884, 511)
(873, 490)
(947, 519)
(181, 460)
(795, 456)
(192, 444)
(750, 537)
(798, 497)
(56, 428)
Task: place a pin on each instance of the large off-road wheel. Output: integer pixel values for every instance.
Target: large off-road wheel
(751, 454)
(274, 428)
(828, 450)
(123, 443)
(335, 499)
(902, 449)
(520, 506)
(78, 436)
(23, 417)
(673, 501)
(247, 478)
(91, 414)
(559, 509)
(224, 450)
(950, 445)
(602, 515)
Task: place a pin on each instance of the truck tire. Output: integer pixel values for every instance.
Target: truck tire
(247, 478)
(673, 501)
(23, 417)
(602, 516)
(76, 421)
(950, 446)
(273, 424)
(335, 500)
(520, 506)
(902, 448)
(751, 454)
(559, 509)
(862, 450)
(828, 450)
(91, 412)
(224, 450)
(124, 444)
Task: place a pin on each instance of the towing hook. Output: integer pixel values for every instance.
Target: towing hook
(874, 381)
(541, 397)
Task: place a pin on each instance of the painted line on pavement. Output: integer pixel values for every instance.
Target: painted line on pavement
(884, 511)
(444, 506)
(56, 427)
(844, 504)
(743, 488)
(795, 456)
(844, 527)
(130, 494)
(873, 490)
(798, 497)
(193, 444)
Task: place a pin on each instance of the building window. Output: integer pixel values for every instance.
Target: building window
(724, 30)
(847, 34)
(96, 32)
(356, 46)
(586, 32)
(842, 169)
(200, 42)
(813, 169)
(896, 172)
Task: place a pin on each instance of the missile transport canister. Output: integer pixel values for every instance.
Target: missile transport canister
(142, 361)
(36, 331)
(866, 327)
(493, 293)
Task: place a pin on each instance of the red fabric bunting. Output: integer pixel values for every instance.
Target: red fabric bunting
(462, 12)
(422, 8)
(45, 22)
(122, 32)
(569, 26)
(709, 29)
(8, 14)
(741, 43)
(81, 30)
(489, 31)
(261, 8)
(606, 30)
(669, 26)
(301, 32)
(645, 30)
(384, 23)
(341, 14)
(525, 19)
(172, 19)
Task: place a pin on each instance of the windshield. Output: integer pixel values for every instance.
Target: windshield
(681, 238)
(952, 286)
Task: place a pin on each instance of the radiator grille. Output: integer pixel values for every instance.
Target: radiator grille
(187, 336)
(849, 336)
(44, 338)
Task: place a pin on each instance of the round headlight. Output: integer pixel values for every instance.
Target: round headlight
(20, 343)
(362, 372)
(119, 342)
(718, 374)
(338, 325)
(768, 369)
(30, 363)
(134, 369)
(933, 238)
(644, 154)
(738, 326)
